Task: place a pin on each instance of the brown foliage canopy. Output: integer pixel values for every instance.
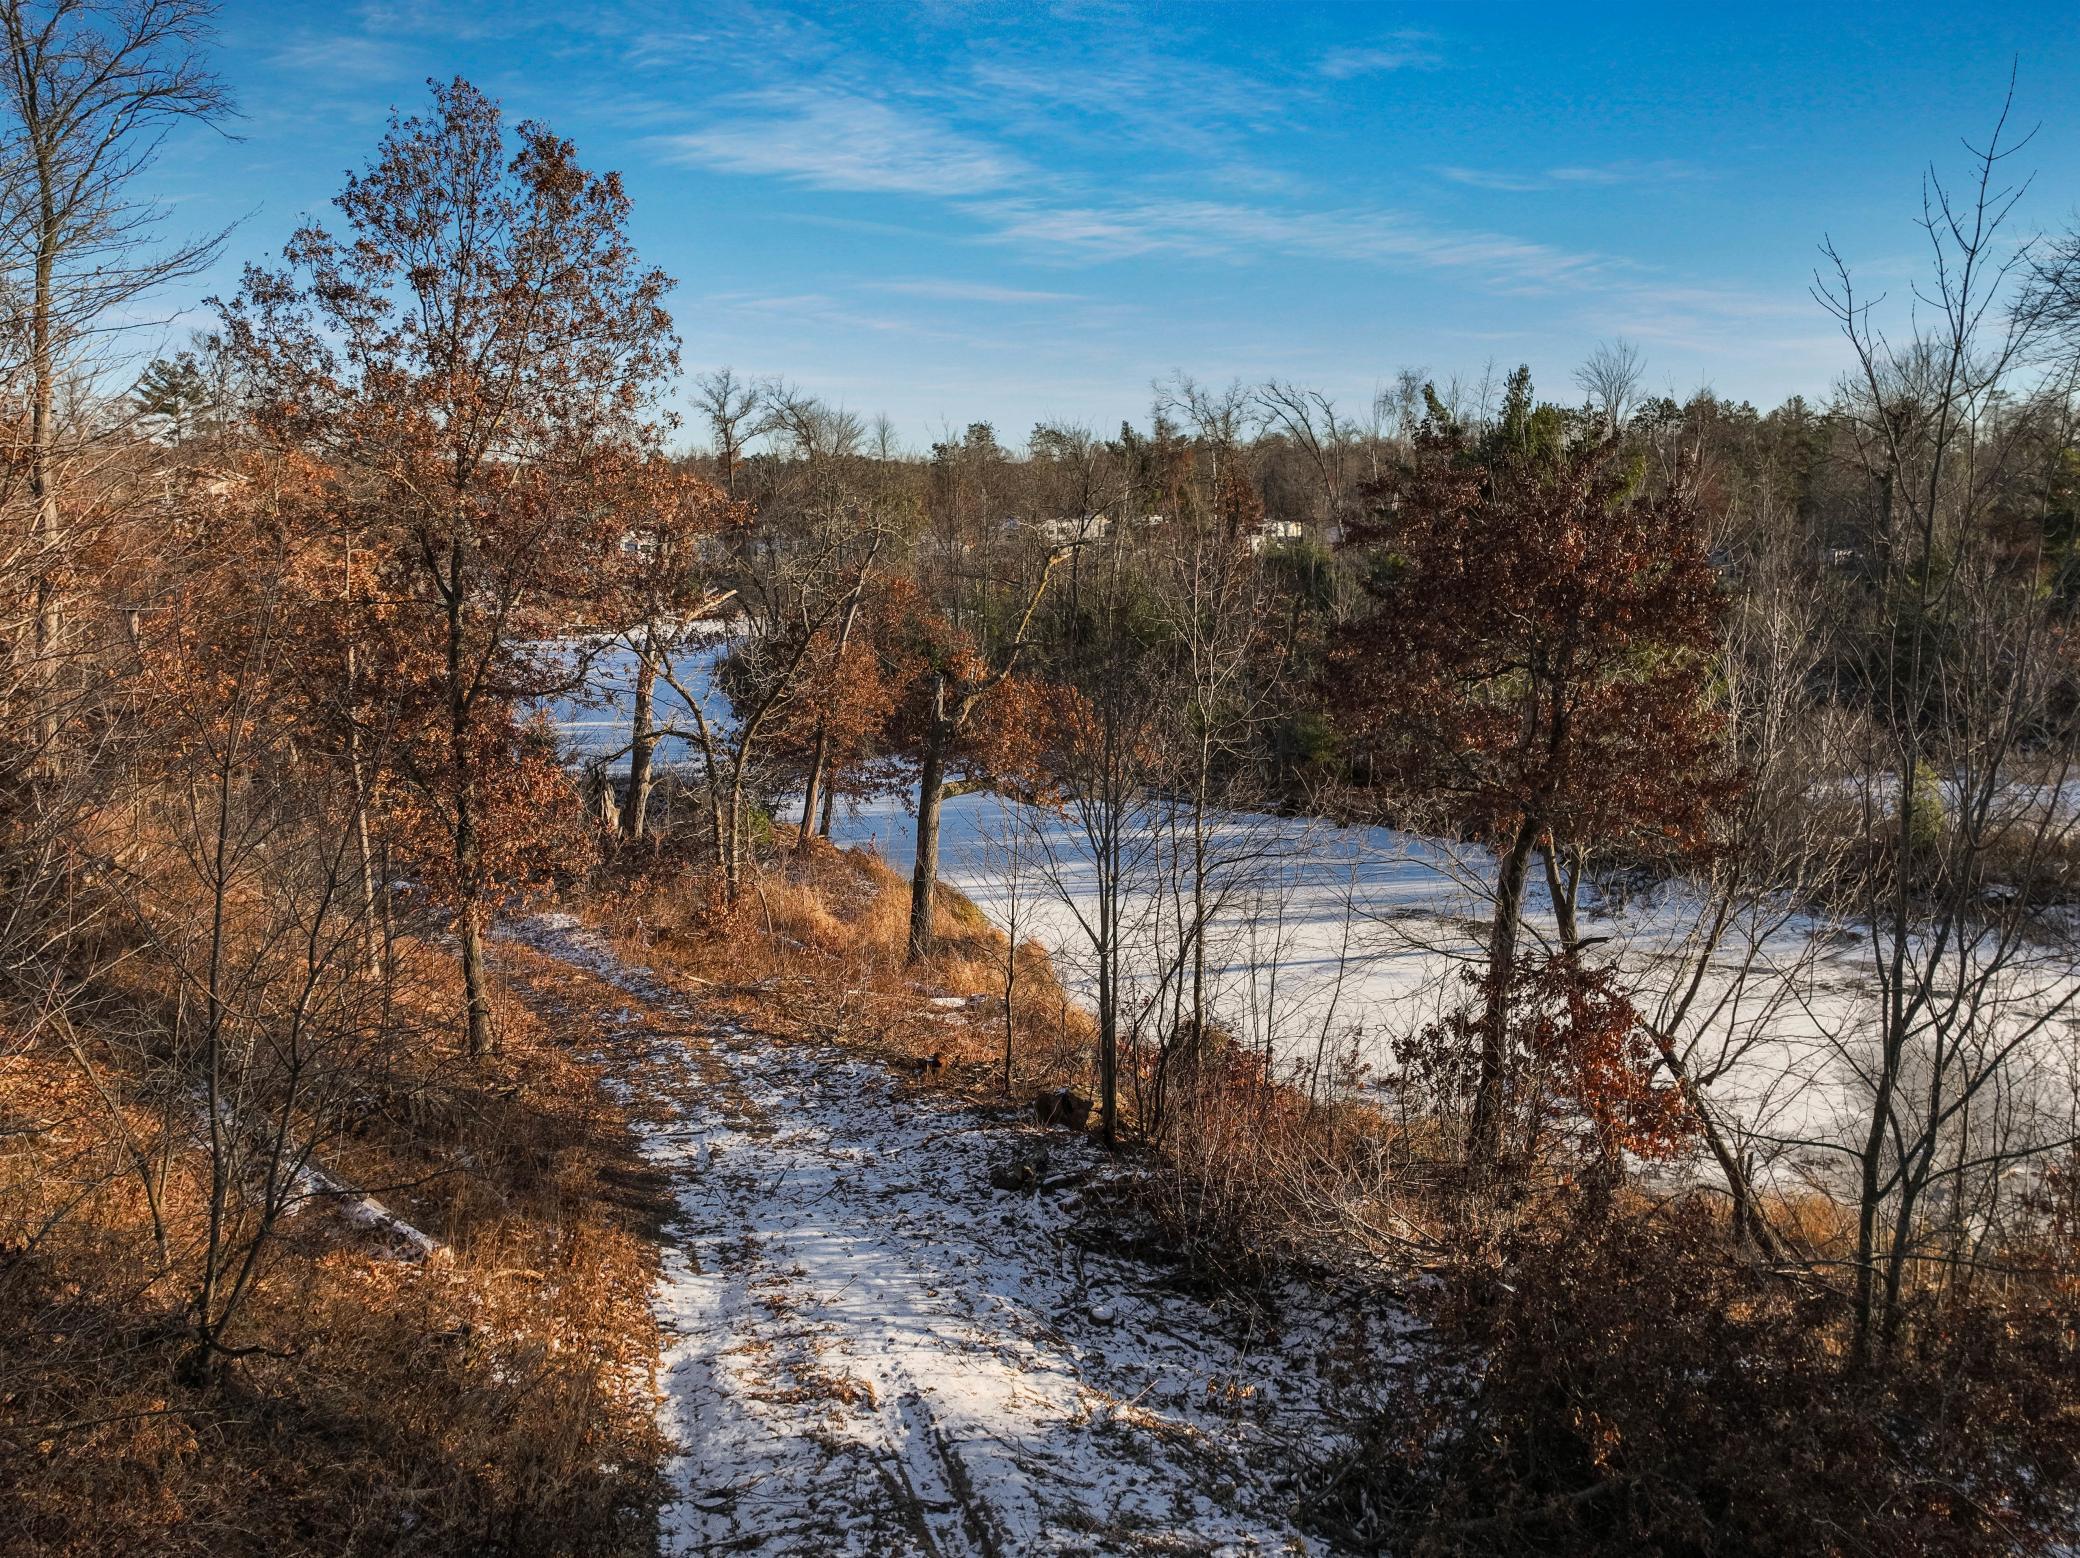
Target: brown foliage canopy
(1007, 727)
(1541, 645)
(479, 361)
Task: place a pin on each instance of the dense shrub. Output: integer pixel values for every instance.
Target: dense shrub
(1630, 1386)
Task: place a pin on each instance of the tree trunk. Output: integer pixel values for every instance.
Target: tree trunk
(1747, 1216)
(1010, 983)
(931, 787)
(43, 478)
(1562, 890)
(816, 790)
(1892, 1047)
(474, 982)
(642, 740)
(714, 773)
(1199, 911)
(358, 772)
(1484, 1138)
(1870, 1197)
(468, 856)
(1108, 989)
(389, 918)
(812, 794)
(222, 1167)
(1913, 1175)
(733, 867)
(1108, 1040)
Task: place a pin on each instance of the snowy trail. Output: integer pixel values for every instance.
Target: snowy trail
(871, 1351)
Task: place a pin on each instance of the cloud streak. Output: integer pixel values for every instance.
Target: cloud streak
(1211, 229)
(841, 140)
(950, 141)
(971, 292)
(1124, 88)
(1398, 51)
(343, 58)
(1575, 176)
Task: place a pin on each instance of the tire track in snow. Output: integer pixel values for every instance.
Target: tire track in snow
(871, 1352)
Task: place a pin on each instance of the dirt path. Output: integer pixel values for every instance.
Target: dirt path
(872, 1351)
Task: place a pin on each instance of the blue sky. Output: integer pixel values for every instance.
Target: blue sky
(949, 213)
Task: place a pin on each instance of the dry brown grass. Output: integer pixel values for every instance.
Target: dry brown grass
(1252, 1175)
(495, 1401)
(817, 949)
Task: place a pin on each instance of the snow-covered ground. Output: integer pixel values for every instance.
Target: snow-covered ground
(871, 1351)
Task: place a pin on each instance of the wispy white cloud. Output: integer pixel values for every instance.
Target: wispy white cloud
(843, 140)
(826, 312)
(971, 292)
(1397, 51)
(1726, 323)
(1072, 232)
(343, 57)
(1124, 87)
(951, 139)
(1572, 176)
(760, 41)
(1223, 229)
(433, 18)
(1738, 303)
(1815, 355)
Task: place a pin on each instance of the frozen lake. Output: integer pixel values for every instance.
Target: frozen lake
(1327, 942)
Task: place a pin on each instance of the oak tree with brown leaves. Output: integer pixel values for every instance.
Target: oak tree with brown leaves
(969, 718)
(1539, 662)
(476, 352)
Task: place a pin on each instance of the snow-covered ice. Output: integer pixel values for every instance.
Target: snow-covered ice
(1329, 941)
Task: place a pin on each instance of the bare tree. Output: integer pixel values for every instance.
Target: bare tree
(275, 1009)
(92, 89)
(1217, 417)
(1215, 597)
(1726, 973)
(1397, 409)
(1970, 737)
(1007, 862)
(1611, 379)
(767, 679)
(732, 407)
(1308, 419)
